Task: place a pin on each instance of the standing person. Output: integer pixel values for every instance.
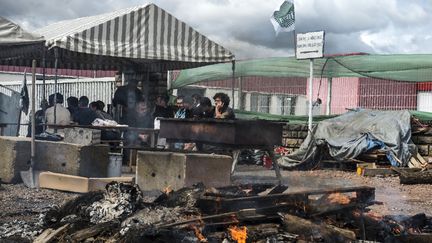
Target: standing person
(84, 115)
(39, 119)
(222, 109)
(127, 97)
(63, 116)
(141, 118)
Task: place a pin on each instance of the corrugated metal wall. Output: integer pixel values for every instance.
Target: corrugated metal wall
(347, 93)
(295, 86)
(61, 72)
(95, 89)
(387, 94)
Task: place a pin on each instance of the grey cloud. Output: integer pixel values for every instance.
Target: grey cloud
(244, 27)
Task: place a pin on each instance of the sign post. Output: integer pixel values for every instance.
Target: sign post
(309, 46)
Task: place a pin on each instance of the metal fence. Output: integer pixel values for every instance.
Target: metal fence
(94, 88)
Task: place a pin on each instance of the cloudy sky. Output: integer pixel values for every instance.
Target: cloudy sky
(243, 26)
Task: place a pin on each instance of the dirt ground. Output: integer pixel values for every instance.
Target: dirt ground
(20, 203)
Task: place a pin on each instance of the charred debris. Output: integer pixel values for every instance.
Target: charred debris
(242, 213)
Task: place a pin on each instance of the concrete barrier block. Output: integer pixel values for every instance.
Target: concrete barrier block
(14, 157)
(60, 157)
(211, 169)
(159, 170)
(72, 159)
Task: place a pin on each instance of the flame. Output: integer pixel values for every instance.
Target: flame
(167, 190)
(376, 216)
(338, 198)
(238, 233)
(198, 234)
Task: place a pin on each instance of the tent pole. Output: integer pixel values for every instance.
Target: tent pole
(310, 94)
(168, 80)
(33, 112)
(233, 83)
(43, 75)
(43, 89)
(55, 86)
(240, 90)
(329, 95)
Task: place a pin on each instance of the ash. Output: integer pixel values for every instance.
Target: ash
(22, 231)
(119, 201)
(152, 216)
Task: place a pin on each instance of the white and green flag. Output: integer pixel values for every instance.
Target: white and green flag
(283, 18)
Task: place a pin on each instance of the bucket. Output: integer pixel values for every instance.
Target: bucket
(115, 165)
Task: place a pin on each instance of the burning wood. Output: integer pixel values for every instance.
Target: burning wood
(198, 234)
(309, 230)
(238, 234)
(120, 215)
(338, 198)
(167, 190)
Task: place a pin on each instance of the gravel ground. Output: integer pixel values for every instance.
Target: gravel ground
(20, 203)
(17, 202)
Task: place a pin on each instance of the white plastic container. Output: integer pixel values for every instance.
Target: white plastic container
(115, 165)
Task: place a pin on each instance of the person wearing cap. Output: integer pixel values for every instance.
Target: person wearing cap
(62, 116)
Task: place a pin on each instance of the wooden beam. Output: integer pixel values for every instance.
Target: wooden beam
(307, 228)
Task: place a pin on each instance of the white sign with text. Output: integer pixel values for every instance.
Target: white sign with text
(310, 45)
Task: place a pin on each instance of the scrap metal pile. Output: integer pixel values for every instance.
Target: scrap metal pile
(243, 213)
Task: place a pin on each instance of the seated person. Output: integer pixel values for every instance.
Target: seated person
(72, 103)
(84, 115)
(222, 109)
(162, 109)
(204, 110)
(182, 111)
(62, 115)
(99, 109)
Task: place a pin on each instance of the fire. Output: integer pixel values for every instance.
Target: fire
(238, 233)
(338, 198)
(167, 190)
(198, 234)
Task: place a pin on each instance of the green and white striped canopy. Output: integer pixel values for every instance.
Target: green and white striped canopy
(146, 36)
